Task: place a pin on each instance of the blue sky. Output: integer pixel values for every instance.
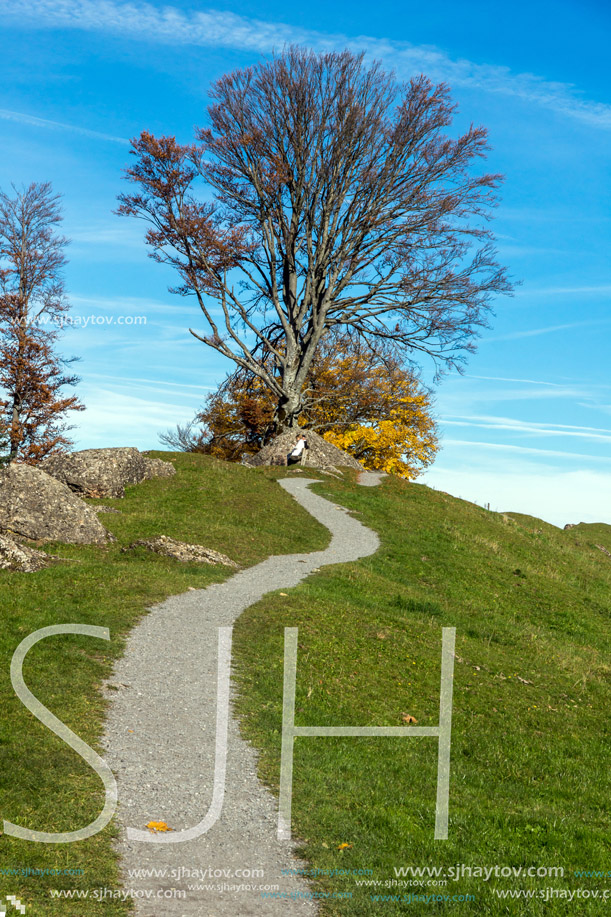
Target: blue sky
(528, 427)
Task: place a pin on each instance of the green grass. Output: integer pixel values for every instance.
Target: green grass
(531, 604)
(592, 534)
(44, 785)
(530, 781)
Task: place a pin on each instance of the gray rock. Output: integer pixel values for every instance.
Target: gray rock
(105, 472)
(97, 472)
(319, 454)
(20, 558)
(180, 550)
(157, 468)
(35, 505)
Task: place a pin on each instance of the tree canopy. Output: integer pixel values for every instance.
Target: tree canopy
(333, 198)
(362, 402)
(32, 303)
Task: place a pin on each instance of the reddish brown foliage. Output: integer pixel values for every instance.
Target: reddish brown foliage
(32, 303)
(337, 202)
(363, 402)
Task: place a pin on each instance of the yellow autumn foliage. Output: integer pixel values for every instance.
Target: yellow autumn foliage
(364, 402)
(393, 429)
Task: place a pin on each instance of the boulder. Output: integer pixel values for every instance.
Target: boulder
(157, 468)
(35, 505)
(104, 472)
(180, 550)
(19, 558)
(320, 453)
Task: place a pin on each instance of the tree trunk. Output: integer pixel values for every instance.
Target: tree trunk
(15, 432)
(287, 412)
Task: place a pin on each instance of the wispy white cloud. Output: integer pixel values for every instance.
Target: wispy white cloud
(119, 234)
(549, 329)
(605, 408)
(554, 214)
(506, 379)
(525, 450)
(529, 250)
(490, 395)
(34, 121)
(137, 380)
(167, 25)
(131, 305)
(528, 427)
(478, 394)
(170, 25)
(602, 289)
(116, 419)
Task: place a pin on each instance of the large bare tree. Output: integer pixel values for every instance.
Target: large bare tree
(335, 200)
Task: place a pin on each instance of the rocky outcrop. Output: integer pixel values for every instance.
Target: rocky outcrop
(320, 453)
(104, 472)
(19, 558)
(157, 468)
(180, 550)
(37, 506)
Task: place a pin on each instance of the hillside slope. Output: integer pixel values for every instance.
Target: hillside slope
(43, 784)
(593, 533)
(529, 784)
(529, 775)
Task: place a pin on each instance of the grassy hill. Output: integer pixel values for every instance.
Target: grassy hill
(43, 783)
(529, 780)
(529, 771)
(596, 533)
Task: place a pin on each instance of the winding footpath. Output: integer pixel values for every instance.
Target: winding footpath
(161, 743)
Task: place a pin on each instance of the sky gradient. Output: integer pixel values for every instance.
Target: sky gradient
(528, 427)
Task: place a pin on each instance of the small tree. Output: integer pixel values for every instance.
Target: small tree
(335, 201)
(363, 402)
(32, 306)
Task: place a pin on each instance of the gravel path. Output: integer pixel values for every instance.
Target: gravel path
(160, 743)
(370, 478)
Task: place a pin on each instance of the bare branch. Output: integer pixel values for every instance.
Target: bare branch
(335, 201)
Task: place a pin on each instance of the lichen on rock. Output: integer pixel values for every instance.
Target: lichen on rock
(182, 551)
(319, 454)
(37, 506)
(105, 472)
(19, 558)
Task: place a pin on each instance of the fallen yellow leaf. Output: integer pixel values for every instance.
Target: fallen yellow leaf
(158, 826)
(344, 846)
